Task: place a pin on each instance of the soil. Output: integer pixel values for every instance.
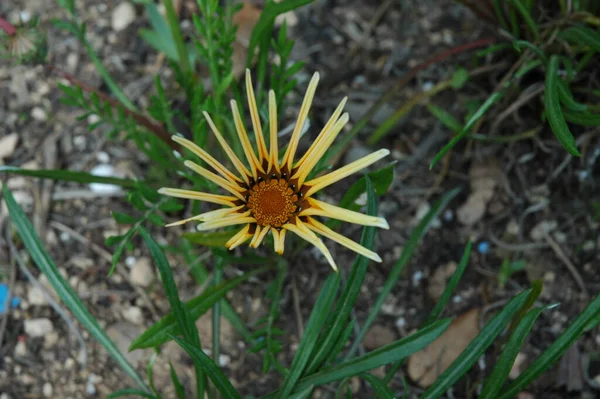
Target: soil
(524, 200)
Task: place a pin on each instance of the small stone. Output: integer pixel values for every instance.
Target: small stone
(378, 336)
(50, 340)
(39, 114)
(8, 144)
(35, 296)
(38, 327)
(47, 390)
(20, 348)
(134, 315)
(122, 16)
(224, 360)
(141, 273)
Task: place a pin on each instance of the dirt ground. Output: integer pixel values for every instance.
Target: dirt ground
(524, 200)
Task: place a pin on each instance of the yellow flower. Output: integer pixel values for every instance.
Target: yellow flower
(272, 195)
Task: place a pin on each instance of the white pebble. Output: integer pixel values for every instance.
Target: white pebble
(47, 390)
(38, 327)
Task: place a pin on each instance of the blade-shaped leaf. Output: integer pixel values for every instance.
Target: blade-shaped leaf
(61, 286)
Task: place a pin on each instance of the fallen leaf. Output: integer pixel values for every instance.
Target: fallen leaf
(425, 366)
(437, 283)
(484, 178)
(7, 145)
(245, 20)
(378, 336)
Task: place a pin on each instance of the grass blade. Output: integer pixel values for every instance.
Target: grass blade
(476, 348)
(582, 35)
(338, 319)
(179, 388)
(157, 334)
(527, 18)
(499, 375)
(554, 113)
(445, 118)
(63, 289)
(399, 266)
(491, 100)
(556, 350)
(379, 357)
(70, 175)
(379, 386)
(451, 285)
(212, 370)
(311, 333)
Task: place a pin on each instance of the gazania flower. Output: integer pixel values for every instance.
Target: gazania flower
(272, 195)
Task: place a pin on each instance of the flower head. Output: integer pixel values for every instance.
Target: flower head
(272, 195)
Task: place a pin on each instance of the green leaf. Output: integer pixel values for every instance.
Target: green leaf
(210, 368)
(499, 376)
(179, 388)
(339, 317)
(527, 18)
(390, 353)
(69, 175)
(116, 256)
(555, 116)
(566, 97)
(157, 334)
(476, 348)
(379, 386)
(555, 351)
(582, 118)
(129, 392)
(311, 334)
(123, 218)
(445, 118)
(399, 266)
(459, 78)
(160, 37)
(450, 286)
(63, 289)
(210, 239)
(491, 100)
(580, 34)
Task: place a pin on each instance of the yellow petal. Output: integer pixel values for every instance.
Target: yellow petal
(241, 218)
(279, 240)
(316, 152)
(259, 236)
(320, 228)
(288, 158)
(260, 139)
(244, 173)
(206, 157)
(321, 208)
(239, 238)
(321, 182)
(199, 196)
(255, 163)
(219, 213)
(334, 117)
(218, 180)
(274, 149)
(304, 232)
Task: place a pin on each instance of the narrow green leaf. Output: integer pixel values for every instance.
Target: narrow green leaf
(566, 97)
(118, 252)
(491, 100)
(210, 239)
(451, 285)
(61, 286)
(123, 218)
(129, 392)
(445, 118)
(339, 317)
(555, 116)
(405, 257)
(555, 351)
(179, 388)
(311, 333)
(210, 368)
(157, 334)
(582, 118)
(499, 376)
(459, 78)
(476, 348)
(379, 357)
(379, 386)
(527, 18)
(580, 34)
(69, 175)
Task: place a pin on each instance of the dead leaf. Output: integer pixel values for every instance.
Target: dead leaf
(484, 179)
(437, 283)
(8, 144)
(378, 336)
(245, 20)
(425, 366)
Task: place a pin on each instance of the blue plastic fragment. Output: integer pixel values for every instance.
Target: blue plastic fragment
(4, 294)
(483, 247)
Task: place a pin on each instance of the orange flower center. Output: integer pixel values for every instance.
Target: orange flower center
(272, 202)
